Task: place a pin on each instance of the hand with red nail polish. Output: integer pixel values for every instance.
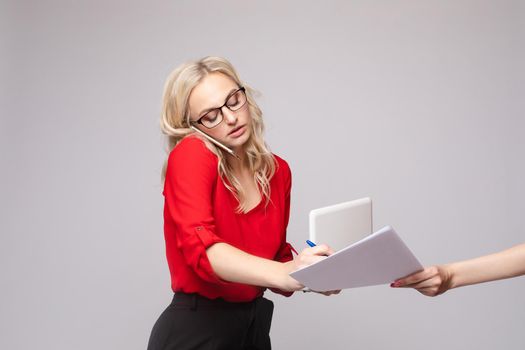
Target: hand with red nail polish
(436, 280)
(432, 281)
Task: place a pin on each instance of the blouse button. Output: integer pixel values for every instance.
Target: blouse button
(199, 228)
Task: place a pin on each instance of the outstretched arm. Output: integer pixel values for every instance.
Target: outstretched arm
(234, 265)
(436, 280)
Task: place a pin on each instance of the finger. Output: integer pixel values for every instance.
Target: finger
(414, 285)
(332, 292)
(429, 292)
(321, 249)
(415, 277)
(417, 284)
(306, 259)
(327, 293)
(411, 279)
(330, 250)
(432, 282)
(408, 281)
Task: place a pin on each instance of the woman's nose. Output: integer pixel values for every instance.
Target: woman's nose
(228, 115)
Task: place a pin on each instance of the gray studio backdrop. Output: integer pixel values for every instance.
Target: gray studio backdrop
(418, 104)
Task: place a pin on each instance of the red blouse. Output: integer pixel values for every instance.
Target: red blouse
(200, 211)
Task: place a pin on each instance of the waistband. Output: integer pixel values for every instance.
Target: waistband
(193, 300)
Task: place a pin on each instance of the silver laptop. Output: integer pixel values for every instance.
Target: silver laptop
(342, 224)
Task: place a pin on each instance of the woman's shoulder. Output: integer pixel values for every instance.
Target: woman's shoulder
(282, 166)
(192, 153)
(191, 147)
(280, 160)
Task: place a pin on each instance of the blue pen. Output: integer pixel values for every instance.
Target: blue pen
(311, 244)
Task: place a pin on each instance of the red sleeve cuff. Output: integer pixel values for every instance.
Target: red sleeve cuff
(194, 252)
(284, 255)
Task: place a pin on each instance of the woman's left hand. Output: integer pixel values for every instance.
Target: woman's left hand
(330, 292)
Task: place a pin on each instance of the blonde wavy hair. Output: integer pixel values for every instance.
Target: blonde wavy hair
(175, 118)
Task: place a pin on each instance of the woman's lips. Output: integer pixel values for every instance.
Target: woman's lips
(237, 132)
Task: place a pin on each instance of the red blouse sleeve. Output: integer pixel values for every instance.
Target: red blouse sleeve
(284, 253)
(191, 174)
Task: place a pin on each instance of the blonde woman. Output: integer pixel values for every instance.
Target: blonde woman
(227, 204)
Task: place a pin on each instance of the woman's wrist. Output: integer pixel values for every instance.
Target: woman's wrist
(274, 275)
(451, 273)
(281, 278)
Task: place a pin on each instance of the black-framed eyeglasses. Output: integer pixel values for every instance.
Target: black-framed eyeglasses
(235, 101)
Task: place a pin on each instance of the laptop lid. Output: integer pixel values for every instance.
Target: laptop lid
(341, 224)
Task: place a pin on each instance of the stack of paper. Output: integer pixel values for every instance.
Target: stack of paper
(379, 258)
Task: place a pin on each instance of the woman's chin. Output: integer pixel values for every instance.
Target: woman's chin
(239, 142)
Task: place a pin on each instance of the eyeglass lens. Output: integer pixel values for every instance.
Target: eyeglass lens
(234, 103)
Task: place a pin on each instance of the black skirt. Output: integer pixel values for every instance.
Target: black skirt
(195, 322)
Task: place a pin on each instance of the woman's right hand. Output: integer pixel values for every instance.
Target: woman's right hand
(311, 255)
(307, 257)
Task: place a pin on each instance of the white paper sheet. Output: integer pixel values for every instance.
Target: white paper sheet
(377, 259)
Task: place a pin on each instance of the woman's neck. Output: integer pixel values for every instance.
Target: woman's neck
(239, 165)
